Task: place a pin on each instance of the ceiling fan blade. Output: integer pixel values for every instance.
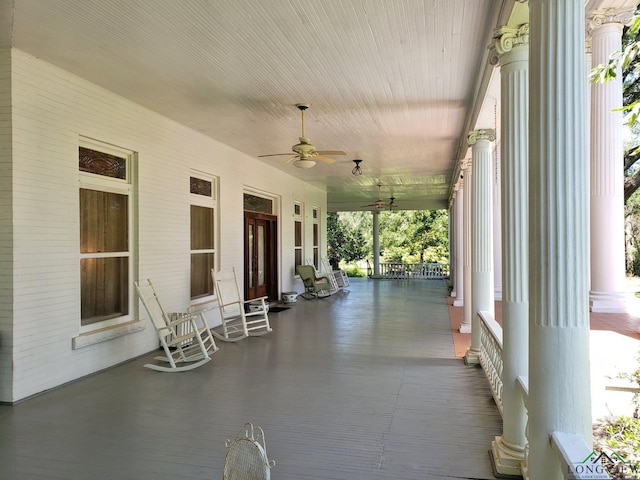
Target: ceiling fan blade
(324, 159)
(291, 160)
(274, 155)
(330, 152)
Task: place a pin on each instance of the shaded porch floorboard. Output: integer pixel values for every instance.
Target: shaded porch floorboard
(364, 384)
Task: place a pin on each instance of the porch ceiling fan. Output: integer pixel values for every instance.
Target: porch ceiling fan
(306, 153)
(379, 203)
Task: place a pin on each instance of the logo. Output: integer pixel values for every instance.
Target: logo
(601, 466)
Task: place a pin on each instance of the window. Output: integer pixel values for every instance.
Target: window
(316, 238)
(257, 204)
(298, 233)
(203, 229)
(105, 233)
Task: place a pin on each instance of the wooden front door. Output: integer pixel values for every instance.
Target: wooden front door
(260, 261)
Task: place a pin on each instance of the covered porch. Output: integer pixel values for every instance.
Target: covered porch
(368, 383)
(364, 384)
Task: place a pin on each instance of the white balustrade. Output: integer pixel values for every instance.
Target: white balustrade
(414, 270)
(491, 354)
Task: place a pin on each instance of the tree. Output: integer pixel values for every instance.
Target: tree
(628, 62)
(405, 236)
(346, 237)
(415, 236)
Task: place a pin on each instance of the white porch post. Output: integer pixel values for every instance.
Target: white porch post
(559, 385)
(512, 49)
(607, 170)
(482, 286)
(497, 216)
(376, 244)
(465, 327)
(452, 249)
(459, 242)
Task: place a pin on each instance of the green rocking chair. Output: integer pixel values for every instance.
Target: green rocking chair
(314, 286)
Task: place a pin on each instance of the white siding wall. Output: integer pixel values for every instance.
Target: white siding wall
(6, 230)
(51, 110)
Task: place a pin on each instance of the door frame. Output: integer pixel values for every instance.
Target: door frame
(271, 253)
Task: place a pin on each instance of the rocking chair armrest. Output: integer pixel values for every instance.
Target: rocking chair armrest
(255, 299)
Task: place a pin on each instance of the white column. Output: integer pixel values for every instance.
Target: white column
(607, 169)
(459, 241)
(481, 236)
(376, 244)
(452, 246)
(559, 385)
(465, 327)
(497, 239)
(512, 50)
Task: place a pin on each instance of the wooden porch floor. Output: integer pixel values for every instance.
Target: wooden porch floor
(361, 385)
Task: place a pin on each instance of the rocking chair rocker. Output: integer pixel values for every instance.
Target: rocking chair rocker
(192, 343)
(315, 286)
(237, 322)
(247, 458)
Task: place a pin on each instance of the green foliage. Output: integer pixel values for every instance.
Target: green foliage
(346, 238)
(405, 236)
(354, 271)
(623, 437)
(632, 234)
(415, 236)
(622, 434)
(624, 61)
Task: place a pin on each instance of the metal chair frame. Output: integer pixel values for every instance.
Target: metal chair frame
(247, 458)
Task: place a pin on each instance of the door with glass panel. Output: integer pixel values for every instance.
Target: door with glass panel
(260, 261)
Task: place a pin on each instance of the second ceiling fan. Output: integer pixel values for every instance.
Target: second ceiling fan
(381, 204)
(306, 153)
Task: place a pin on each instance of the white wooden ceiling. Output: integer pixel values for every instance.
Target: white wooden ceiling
(396, 83)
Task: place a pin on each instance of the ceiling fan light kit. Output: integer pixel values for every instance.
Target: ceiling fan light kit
(304, 163)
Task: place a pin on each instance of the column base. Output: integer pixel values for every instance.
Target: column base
(472, 357)
(607, 302)
(505, 460)
(458, 302)
(464, 328)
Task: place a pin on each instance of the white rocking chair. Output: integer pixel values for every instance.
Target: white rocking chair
(237, 322)
(247, 458)
(187, 334)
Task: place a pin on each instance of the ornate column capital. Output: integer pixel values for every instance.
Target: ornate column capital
(598, 18)
(506, 38)
(464, 164)
(482, 134)
(459, 184)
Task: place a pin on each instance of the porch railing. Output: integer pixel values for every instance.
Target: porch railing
(569, 446)
(414, 270)
(491, 354)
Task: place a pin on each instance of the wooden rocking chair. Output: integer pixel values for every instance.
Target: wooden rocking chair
(246, 458)
(314, 286)
(185, 338)
(240, 318)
